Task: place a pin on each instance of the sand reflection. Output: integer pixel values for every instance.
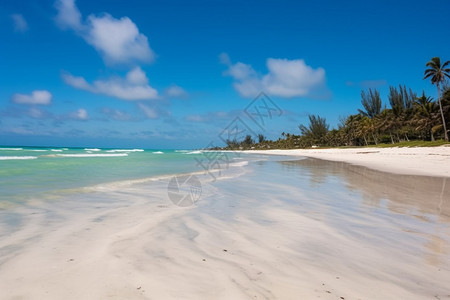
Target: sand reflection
(406, 194)
(424, 199)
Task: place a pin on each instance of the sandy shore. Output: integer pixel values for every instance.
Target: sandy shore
(282, 229)
(428, 161)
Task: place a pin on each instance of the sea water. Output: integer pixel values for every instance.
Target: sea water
(28, 173)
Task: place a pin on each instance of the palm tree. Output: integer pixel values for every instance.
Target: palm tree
(386, 122)
(351, 125)
(371, 101)
(363, 128)
(438, 72)
(261, 138)
(426, 115)
(316, 130)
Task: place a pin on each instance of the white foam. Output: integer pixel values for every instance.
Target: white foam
(182, 151)
(114, 185)
(158, 152)
(16, 157)
(37, 150)
(92, 149)
(126, 150)
(11, 149)
(239, 164)
(57, 150)
(89, 155)
(195, 152)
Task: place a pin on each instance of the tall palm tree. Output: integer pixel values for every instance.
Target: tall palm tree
(438, 72)
(426, 115)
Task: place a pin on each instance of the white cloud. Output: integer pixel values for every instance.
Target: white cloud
(80, 114)
(225, 59)
(68, 17)
(176, 91)
(36, 113)
(20, 24)
(137, 77)
(77, 82)
(133, 87)
(118, 40)
(148, 111)
(286, 78)
(40, 97)
(116, 114)
(240, 71)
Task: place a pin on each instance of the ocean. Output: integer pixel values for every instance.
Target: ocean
(29, 173)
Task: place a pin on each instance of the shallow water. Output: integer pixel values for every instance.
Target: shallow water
(277, 228)
(31, 173)
(394, 229)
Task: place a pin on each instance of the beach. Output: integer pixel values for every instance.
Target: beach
(428, 161)
(281, 224)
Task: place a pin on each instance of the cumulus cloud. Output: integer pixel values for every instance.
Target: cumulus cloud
(68, 17)
(20, 24)
(176, 91)
(80, 114)
(133, 87)
(117, 40)
(285, 78)
(39, 97)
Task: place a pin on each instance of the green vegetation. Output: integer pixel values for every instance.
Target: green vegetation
(411, 121)
(438, 74)
(414, 144)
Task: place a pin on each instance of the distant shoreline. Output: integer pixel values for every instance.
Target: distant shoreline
(426, 161)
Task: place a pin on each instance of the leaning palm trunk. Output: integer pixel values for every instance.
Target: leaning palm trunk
(392, 138)
(442, 113)
(374, 139)
(365, 140)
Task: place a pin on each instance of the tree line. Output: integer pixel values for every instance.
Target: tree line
(409, 117)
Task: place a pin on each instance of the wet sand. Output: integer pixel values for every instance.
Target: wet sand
(287, 228)
(428, 161)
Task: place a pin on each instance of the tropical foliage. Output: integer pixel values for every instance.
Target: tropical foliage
(437, 73)
(408, 117)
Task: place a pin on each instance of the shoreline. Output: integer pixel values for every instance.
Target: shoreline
(277, 229)
(425, 161)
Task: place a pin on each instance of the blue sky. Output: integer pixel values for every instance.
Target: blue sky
(174, 74)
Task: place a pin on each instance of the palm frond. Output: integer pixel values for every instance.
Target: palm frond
(428, 75)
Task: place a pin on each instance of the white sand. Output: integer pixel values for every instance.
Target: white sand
(270, 234)
(428, 161)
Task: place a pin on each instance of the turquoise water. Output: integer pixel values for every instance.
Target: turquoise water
(28, 173)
